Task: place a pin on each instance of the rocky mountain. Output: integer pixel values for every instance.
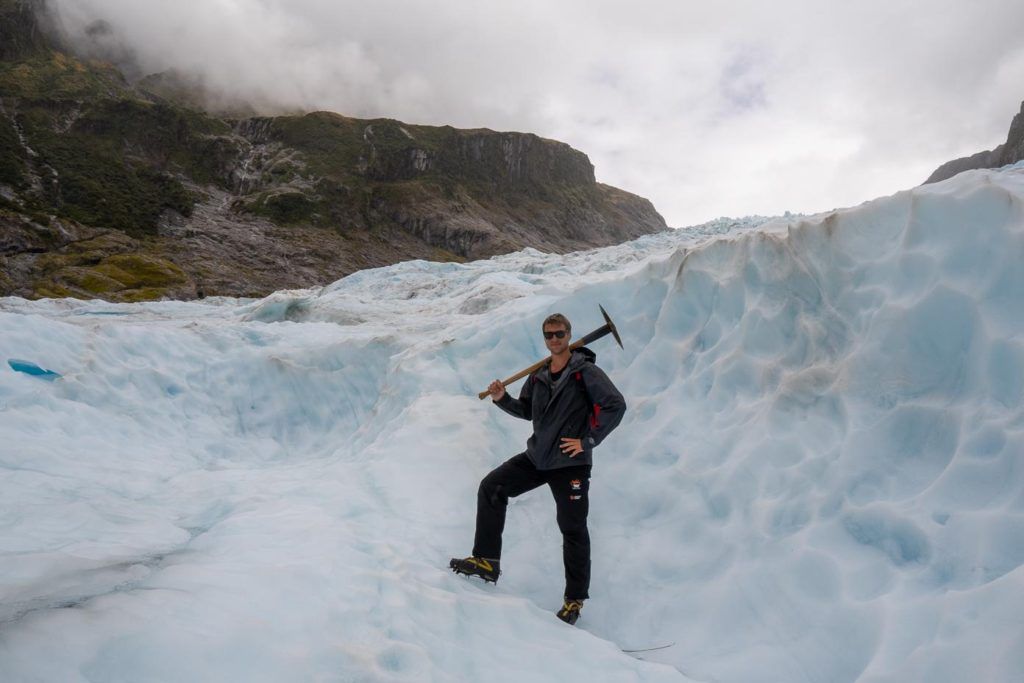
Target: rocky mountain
(129, 190)
(1010, 152)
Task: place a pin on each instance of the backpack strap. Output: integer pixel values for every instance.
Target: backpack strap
(595, 409)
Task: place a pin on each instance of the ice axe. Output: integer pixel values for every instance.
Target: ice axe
(606, 329)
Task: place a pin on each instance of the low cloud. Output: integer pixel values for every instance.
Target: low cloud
(731, 109)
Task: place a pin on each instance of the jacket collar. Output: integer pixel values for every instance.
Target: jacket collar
(576, 360)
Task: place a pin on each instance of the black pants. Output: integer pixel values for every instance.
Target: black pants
(569, 486)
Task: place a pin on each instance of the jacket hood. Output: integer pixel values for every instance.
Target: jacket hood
(582, 355)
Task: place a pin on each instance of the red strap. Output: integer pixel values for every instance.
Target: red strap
(597, 408)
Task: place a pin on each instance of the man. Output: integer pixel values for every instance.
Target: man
(573, 406)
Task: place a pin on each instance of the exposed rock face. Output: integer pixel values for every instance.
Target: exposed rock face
(1013, 148)
(20, 32)
(122, 192)
(1010, 152)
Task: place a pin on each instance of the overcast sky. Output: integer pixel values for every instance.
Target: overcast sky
(707, 109)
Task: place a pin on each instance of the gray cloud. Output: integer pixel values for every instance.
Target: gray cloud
(730, 109)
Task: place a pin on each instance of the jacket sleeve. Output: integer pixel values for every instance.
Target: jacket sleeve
(609, 406)
(522, 406)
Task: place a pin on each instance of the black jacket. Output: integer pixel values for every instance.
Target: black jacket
(583, 404)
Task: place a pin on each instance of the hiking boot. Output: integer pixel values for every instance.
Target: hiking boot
(476, 566)
(570, 611)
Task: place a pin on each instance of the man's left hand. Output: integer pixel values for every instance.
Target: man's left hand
(571, 447)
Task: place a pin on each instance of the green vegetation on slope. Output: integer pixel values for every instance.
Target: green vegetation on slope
(12, 155)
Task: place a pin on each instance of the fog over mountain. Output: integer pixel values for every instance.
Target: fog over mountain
(734, 108)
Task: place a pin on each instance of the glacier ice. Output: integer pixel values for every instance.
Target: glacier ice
(819, 478)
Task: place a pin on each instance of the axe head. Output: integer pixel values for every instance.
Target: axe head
(611, 326)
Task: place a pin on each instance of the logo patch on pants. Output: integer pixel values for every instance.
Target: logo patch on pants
(575, 484)
(575, 497)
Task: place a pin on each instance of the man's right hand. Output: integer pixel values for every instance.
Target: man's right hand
(497, 390)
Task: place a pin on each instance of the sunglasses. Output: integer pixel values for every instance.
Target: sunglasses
(559, 333)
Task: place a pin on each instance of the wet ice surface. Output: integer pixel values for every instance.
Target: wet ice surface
(818, 478)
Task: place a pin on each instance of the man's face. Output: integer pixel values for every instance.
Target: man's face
(551, 340)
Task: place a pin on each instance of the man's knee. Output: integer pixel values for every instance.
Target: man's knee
(573, 527)
(492, 492)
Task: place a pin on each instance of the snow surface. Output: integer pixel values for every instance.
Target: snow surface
(818, 478)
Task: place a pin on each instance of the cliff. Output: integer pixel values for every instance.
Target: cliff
(1010, 152)
(131, 191)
